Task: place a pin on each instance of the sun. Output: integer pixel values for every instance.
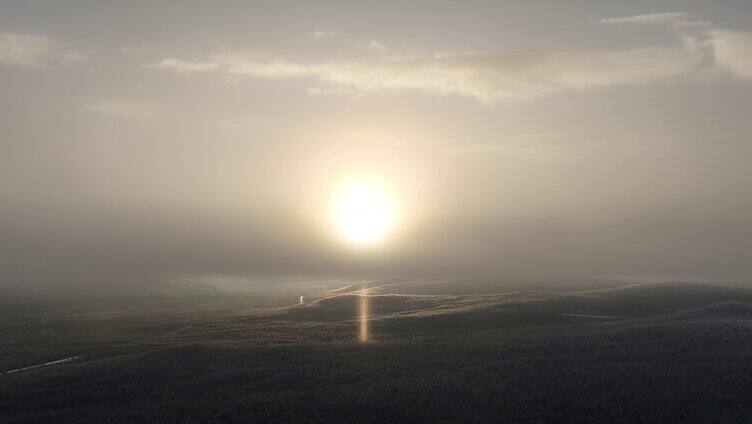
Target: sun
(364, 214)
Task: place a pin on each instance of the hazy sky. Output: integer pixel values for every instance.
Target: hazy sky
(520, 139)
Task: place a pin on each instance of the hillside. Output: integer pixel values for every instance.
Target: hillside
(517, 357)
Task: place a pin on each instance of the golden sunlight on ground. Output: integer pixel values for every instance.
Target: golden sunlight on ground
(363, 318)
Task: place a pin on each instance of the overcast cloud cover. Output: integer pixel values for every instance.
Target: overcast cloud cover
(523, 141)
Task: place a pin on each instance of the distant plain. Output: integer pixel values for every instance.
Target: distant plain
(208, 353)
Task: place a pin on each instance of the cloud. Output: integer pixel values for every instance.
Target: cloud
(729, 50)
(486, 78)
(322, 34)
(122, 109)
(692, 24)
(504, 77)
(652, 19)
(35, 51)
(336, 91)
(732, 51)
(371, 45)
(515, 76)
(185, 67)
(261, 66)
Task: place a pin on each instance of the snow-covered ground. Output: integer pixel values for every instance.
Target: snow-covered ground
(46, 364)
(591, 316)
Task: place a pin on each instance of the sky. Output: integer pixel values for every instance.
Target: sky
(519, 140)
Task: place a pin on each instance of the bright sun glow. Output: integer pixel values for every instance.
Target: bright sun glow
(364, 214)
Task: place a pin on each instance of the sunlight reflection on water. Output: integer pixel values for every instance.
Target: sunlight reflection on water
(363, 336)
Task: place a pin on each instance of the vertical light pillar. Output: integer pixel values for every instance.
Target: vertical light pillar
(363, 336)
